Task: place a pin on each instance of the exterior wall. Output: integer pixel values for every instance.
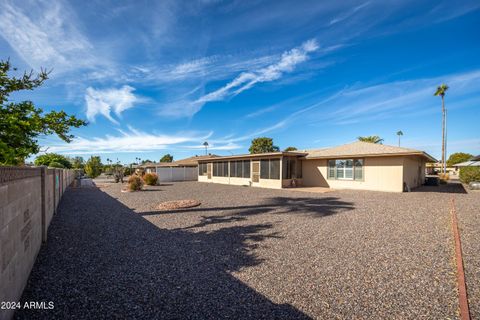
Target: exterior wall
(380, 174)
(168, 174)
(268, 183)
(27, 203)
(413, 171)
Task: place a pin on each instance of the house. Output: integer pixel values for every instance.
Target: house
(357, 165)
(180, 170)
(474, 162)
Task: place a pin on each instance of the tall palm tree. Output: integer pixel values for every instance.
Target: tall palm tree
(399, 134)
(441, 91)
(371, 139)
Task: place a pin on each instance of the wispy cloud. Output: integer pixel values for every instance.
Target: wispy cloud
(128, 141)
(106, 101)
(247, 80)
(286, 63)
(348, 13)
(45, 35)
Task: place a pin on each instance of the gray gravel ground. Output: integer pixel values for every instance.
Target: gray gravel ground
(247, 253)
(468, 212)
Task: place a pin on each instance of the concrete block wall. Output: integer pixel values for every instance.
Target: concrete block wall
(28, 200)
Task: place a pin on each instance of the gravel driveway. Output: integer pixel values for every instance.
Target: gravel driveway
(248, 253)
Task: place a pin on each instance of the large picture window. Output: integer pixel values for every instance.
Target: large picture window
(345, 169)
(270, 169)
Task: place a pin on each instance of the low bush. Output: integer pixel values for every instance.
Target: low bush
(135, 183)
(469, 174)
(150, 179)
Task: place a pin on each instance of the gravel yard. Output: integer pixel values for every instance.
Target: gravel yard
(254, 253)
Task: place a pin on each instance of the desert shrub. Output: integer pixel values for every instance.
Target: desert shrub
(150, 179)
(55, 164)
(135, 183)
(469, 174)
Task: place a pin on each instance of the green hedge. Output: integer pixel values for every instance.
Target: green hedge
(469, 174)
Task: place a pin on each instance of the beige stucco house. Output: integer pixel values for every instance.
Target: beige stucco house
(358, 165)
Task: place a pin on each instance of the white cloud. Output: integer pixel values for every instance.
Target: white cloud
(128, 141)
(216, 146)
(45, 35)
(348, 14)
(109, 100)
(273, 71)
(246, 80)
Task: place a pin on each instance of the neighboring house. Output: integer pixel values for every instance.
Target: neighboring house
(181, 170)
(358, 165)
(474, 162)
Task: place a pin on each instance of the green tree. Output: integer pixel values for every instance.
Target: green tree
(21, 123)
(441, 91)
(49, 158)
(147, 161)
(167, 158)
(93, 167)
(371, 139)
(77, 163)
(458, 157)
(290, 149)
(262, 145)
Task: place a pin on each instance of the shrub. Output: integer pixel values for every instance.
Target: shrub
(469, 174)
(93, 167)
(48, 158)
(55, 164)
(150, 179)
(135, 183)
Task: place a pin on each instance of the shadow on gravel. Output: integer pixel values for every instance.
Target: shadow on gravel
(103, 260)
(451, 187)
(315, 207)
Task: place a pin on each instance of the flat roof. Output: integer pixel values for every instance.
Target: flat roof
(256, 155)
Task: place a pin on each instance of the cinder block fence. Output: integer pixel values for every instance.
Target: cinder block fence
(28, 200)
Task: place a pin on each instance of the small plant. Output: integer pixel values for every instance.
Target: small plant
(469, 174)
(135, 183)
(150, 179)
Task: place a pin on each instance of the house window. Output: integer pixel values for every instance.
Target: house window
(220, 169)
(240, 169)
(246, 168)
(345, 169)
(202, 169)
(233, 169)
(270, 169)
(290, 168)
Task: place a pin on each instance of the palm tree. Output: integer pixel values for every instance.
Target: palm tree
(205, 144)
(371, 139)
(399, 134)
(441, 90)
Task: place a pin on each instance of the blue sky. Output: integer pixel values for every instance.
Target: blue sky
(163, 77)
